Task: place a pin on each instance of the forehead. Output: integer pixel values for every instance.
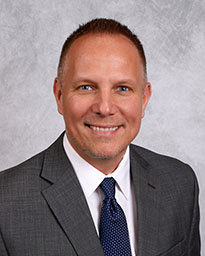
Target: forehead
(103, 38)
(102, 50)
(101, 43)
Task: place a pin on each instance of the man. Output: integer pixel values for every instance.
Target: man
(91, 192)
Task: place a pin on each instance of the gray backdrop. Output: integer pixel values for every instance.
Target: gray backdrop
(173, 33)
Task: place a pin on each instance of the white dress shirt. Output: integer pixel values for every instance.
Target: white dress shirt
(90, 179)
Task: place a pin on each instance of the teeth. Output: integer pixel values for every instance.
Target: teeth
(96, 128)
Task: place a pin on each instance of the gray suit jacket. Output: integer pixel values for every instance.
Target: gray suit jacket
(43, 211)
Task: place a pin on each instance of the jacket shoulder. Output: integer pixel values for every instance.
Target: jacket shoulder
(33, 165)
(162, 164)
(22, 172)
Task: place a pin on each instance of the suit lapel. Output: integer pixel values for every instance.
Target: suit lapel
(67, 202)
(147, 193)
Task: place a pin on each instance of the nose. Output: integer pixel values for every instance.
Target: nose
(104, 104)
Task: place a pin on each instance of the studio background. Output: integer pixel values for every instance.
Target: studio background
(173, 35)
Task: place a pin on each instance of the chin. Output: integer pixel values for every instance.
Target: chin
(105, 154)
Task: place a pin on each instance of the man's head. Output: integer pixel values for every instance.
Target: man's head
(102, 96)
(101, 26)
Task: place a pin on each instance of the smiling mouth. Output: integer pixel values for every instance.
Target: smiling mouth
(103, 129)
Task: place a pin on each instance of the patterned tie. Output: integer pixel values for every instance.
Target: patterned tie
(114, 236)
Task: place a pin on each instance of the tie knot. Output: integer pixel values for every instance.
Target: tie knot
(108, 187)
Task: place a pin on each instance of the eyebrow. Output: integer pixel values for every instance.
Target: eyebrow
(84, 81)
(122, 81)
(126, 81)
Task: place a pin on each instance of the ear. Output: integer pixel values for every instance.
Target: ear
(146, 95)
(57, 90)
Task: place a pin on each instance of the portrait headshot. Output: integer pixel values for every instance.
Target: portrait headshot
(102, 128)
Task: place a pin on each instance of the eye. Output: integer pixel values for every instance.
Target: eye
(85, 87)
(123, 88)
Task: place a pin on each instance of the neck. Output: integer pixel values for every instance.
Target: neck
(105, 166)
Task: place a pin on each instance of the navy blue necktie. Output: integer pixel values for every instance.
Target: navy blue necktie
(114, 236)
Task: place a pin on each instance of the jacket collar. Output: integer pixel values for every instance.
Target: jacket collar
(67, 202)
(147, 193)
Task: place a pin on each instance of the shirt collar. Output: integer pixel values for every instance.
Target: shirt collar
(90, 177)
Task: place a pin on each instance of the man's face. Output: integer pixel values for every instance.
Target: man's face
(102, 95)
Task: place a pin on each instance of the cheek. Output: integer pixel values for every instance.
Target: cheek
(74, 108)
(133, 112)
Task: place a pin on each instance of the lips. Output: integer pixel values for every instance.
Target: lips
(104, 129)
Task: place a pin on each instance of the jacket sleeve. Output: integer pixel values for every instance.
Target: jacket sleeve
(194, 238)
